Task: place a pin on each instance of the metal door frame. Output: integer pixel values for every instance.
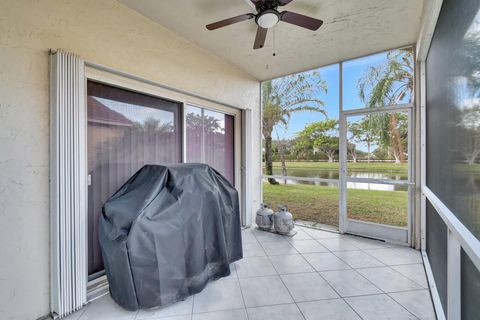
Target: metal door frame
(117, 78)
(401, 235)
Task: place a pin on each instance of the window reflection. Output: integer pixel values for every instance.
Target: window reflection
(210, 139)
(126, 130)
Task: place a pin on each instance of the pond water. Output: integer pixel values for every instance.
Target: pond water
(334, 174)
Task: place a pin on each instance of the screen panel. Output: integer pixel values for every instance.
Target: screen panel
(453, 111)
(390, 72)
(453, 139)
(436, 234)
(301, 139)
(470, 282)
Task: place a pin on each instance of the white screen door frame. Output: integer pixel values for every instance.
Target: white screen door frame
(401, 235)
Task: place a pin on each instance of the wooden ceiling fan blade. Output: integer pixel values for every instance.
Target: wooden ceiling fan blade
(283, 2)
(301, 20)
(260, 38)
(229, 21)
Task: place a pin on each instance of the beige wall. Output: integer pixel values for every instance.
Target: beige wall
(105, 32)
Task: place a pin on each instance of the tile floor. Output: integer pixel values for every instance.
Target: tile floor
(314, 275)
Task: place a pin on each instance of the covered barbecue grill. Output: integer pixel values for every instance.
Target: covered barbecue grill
(167, 232)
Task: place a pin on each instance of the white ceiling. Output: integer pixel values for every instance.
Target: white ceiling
(352, 28)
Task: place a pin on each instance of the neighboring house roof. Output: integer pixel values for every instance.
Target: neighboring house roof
(100, 113)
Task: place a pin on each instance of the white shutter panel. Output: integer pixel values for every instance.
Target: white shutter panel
(68, 184)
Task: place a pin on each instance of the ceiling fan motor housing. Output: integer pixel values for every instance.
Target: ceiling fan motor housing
(268, 19)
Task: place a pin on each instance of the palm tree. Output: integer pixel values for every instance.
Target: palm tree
(388, 84)
(284, 96)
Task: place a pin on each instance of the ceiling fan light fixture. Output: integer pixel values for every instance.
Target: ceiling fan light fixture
(268, 19)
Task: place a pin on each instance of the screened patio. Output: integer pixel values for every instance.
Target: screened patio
(366, 128)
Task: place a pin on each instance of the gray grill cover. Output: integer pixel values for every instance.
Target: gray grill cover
(168, 231)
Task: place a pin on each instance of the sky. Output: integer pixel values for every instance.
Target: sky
(352, 71)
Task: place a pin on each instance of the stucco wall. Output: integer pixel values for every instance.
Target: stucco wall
(105, 32)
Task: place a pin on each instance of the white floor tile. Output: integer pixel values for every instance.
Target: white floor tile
(364, 243)
(218, 295)
(278, 247)
(248, 236)
(415, 272)
(308, 287)
(253, 249)
(189, 317)
(379, 307)
(176, 309)
(254, 267)
(358, 259)
(264, 291)
(388, 279)
(105, 308)
(349, 283)
(239, 314)
(325, 261)
(300, 234)
(270, 297)
(417, 302)
(265, 236)
(76, 315)
(320, 234)
(285, 311)
(339, 244)
(293, 263)
(413, 254)
(391, 257)
(335, 309)
(308, 246)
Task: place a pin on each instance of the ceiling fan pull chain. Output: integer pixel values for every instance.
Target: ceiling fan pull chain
(274, 53)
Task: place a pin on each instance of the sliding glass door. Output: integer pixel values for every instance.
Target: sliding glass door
(126, 130)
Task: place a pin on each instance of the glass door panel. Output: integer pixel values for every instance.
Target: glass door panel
(210, 139)
(126, 130)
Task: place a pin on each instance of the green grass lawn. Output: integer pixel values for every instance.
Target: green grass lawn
(319, 204)
(364, 166)
(359, 166)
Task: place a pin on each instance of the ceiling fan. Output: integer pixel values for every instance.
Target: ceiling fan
(267, 17)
